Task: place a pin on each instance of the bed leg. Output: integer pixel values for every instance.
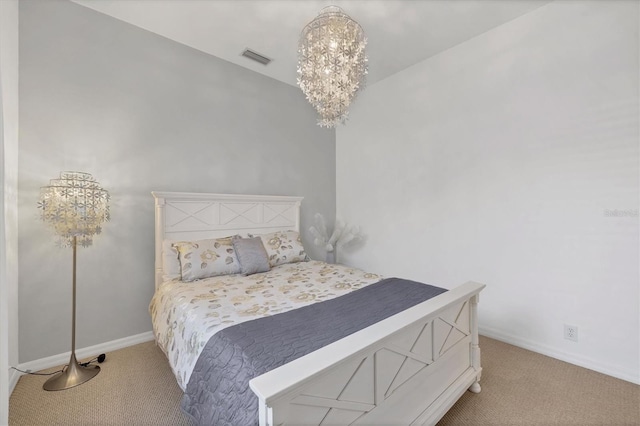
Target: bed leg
(475, 387)
(475, 345)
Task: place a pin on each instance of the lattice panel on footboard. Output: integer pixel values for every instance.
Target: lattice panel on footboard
(359, 386)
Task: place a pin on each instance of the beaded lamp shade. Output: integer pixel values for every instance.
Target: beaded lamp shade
(74, 205)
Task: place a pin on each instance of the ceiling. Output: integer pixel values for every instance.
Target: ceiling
(400, 33)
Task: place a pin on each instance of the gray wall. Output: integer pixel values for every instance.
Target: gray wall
(140, 113)
(502, 157)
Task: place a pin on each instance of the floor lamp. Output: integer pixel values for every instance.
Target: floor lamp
(75, 206)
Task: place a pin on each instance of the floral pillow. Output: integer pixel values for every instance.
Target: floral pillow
(207, 258)
(170, 262)
(283, 247)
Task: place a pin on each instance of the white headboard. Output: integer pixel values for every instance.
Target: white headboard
(194, 216)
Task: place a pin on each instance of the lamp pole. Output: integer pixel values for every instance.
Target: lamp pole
(74, 374)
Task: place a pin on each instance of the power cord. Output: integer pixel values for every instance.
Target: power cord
(100, 358)
(37, 374)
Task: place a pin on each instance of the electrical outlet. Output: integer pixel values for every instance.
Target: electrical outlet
(571, 332)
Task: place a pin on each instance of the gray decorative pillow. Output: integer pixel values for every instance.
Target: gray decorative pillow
(251, 255)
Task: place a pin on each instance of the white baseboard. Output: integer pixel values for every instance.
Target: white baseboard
(61, 359)
(13, 379)
(619, 373)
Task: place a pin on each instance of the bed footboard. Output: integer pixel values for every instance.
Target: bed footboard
(407, 369)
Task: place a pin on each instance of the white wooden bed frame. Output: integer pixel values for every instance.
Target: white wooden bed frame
(408, 369)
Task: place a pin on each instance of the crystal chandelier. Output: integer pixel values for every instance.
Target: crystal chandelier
(332, 65)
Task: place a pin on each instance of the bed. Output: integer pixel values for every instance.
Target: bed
(407, 367)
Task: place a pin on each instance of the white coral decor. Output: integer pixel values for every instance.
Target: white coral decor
(342, 234)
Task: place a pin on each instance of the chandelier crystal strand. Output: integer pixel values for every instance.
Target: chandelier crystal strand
(332, 65)
(74, 205)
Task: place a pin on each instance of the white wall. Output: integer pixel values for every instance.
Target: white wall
(8, 201)
(140, 113)
(498, 161)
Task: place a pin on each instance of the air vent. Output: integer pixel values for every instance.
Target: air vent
(248, 53)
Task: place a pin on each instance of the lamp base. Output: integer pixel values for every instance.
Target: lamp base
(73, 375)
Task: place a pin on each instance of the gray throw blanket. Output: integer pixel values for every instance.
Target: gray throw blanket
(218, 391)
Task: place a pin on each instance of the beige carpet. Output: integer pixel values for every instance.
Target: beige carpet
(520, 387)
(136, 387)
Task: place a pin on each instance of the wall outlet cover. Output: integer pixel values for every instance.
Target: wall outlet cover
(571, 332)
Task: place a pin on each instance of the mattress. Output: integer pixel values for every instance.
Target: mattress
(186, 315)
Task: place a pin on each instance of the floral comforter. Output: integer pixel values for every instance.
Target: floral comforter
(186, 314)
